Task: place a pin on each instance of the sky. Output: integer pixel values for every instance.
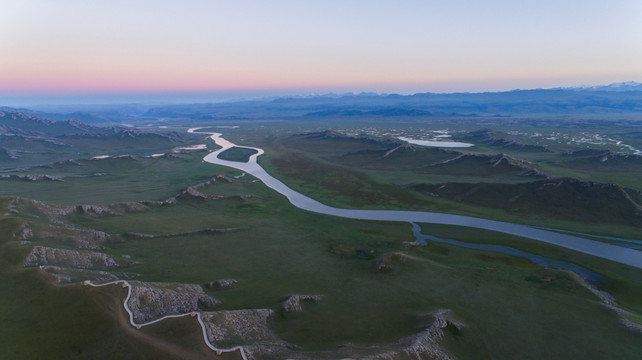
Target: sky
(158, 49)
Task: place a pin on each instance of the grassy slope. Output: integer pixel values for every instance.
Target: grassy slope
(39, 320)
(280, 250)
(120, 179)
(337, 185)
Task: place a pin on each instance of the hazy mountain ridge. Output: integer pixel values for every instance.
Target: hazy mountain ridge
(28, 140)
(617, 87)
(21, 124)
(628, 99)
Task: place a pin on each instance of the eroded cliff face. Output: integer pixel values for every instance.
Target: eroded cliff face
(152, 301)
(75, 259)
(247, 328)
(292, 303)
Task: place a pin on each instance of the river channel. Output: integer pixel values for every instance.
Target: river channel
(603, 250)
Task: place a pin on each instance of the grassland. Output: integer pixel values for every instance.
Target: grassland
(40, 319)
(111, 180)
(279, 250)
(239, 154)
(510, 307)
(360, 172)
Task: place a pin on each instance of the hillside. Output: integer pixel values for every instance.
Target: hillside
(21, 124)
(500, 140)
(27, 140)
(563, 198)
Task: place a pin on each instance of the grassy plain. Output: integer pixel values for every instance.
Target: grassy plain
(279, 250)
(353, 172)
(511, 308)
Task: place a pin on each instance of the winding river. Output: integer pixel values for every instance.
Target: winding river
(603, 250)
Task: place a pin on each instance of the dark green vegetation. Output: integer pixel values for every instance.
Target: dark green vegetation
(510, 307)
(520, 185)
(109, 180)
(239, 154)
(41, 320)
(27, 140)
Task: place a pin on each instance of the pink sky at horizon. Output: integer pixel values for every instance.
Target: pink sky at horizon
(72, 47)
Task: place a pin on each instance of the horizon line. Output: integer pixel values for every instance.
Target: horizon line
(223, 96)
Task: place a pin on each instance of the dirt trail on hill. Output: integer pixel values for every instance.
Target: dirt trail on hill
(167, 347)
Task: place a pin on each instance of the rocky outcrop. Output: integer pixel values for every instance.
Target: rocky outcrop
(128, 207)
(386, 262)
(424, 345)
(71, 237)
(404, 146)
(116, 209)
(51, 212)
(43, 256)
(151, 301)
(222, 284)
(135, 235)
(247, 328)
(292, 303)
(30, 177)
(610, 303)
(224, 178)
(95, 210)
(169, 201)
(67, 275)
(193, 190)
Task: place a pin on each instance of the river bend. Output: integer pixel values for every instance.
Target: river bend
(603, 250)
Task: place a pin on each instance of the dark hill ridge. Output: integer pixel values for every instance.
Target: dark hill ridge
(330, 142)
(27, 140)
(596, 159)
(499, 139)
(17, 123)
(393, 155)
(562, 198)
(485, 166)
(335, 135)
(401, 157)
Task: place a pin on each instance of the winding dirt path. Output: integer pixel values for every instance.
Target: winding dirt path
(156, 342)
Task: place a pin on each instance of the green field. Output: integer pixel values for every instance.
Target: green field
(237, 154)
(510, 308)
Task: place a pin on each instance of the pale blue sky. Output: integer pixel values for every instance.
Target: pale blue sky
(81, 47)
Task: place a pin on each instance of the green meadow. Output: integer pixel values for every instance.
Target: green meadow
(510, 307)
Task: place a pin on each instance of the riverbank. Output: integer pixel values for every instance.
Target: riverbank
(591, 247)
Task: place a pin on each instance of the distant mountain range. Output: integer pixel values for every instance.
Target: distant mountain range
(21, 124)
(616, 98)
(620, 98)
(617, 87)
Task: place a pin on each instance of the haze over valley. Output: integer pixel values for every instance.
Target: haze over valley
(304, 180)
